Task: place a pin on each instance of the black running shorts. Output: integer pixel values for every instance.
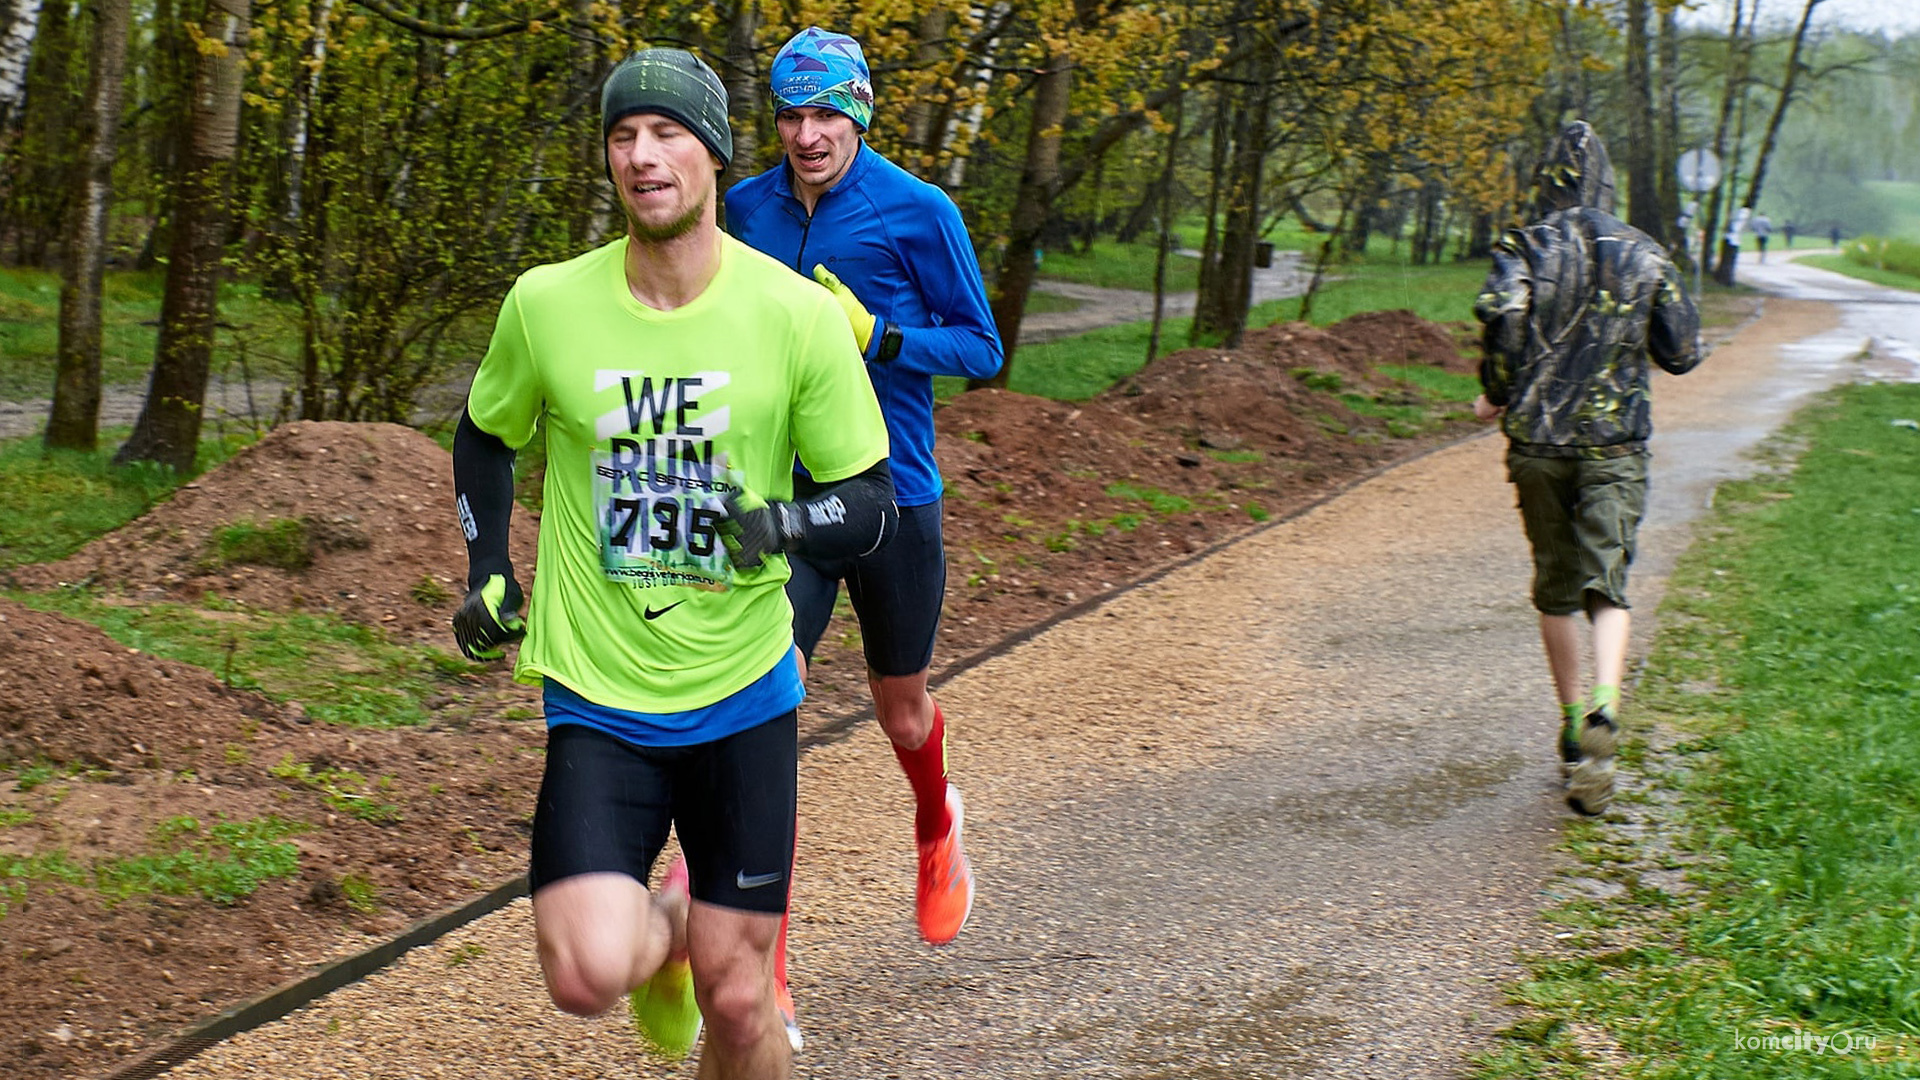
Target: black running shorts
(606, 805)
(896, 593)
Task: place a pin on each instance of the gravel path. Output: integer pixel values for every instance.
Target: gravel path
(1288, 811)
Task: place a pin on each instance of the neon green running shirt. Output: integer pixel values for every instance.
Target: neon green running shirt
(650, 417)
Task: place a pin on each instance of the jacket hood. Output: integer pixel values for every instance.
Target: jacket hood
(1577, 173)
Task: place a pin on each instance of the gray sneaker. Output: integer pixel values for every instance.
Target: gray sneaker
(1590, 780)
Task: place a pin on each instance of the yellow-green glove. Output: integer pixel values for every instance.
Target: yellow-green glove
(857, 312)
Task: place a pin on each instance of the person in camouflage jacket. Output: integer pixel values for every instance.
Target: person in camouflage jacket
(1577, 307)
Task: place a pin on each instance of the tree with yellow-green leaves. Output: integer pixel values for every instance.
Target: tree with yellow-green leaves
(386, 170)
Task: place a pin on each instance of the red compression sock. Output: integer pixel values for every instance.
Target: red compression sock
(926, 770)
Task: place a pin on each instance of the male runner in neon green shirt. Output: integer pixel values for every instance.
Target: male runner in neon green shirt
(679, 373)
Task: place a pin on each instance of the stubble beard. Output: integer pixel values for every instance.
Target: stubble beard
(672, 230)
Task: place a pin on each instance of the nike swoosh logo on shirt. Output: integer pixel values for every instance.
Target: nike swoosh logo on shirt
(654, 613)
(754, 881)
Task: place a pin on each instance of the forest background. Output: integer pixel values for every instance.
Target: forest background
(335, 194)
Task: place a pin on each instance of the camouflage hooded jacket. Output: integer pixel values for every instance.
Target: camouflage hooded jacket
(1574, 308)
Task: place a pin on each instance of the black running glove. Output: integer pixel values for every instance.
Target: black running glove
(755, 528)
(850, 518)
(490, 618)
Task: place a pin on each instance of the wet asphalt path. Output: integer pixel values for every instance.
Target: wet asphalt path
(1288, 811)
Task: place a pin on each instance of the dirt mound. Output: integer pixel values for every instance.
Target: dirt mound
(1396, 337)
(353, 519)
(128, 770)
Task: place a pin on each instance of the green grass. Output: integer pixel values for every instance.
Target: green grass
(343, 673)
(1903, 198)
(1442, 292)
(56, 503)
(224, 862)
(1789, 667)
(1114, 265)
(59, 501)
(1840, 264)
(1435, 383)
(1078, 367)
(256, 336)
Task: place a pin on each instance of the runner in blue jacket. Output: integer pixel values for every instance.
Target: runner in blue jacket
(893, 250)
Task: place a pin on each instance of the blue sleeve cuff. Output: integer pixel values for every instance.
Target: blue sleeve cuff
(872, 355)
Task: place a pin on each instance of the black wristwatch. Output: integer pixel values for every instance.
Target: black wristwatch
(889, 344)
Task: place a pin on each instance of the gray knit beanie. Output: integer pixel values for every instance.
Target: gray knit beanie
(675, 84)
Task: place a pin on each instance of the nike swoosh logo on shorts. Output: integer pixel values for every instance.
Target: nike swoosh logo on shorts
(745, 880)
(654, 613)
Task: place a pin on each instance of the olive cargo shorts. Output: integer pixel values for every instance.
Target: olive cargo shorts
(1581, 516)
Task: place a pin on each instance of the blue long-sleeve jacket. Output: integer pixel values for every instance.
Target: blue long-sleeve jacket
(899, 244)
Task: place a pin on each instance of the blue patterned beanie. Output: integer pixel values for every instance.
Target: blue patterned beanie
(822, 69)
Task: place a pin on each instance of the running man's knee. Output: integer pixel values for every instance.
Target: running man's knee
(592, 934)
(903, 707)
(733, 974)
(738, 1009)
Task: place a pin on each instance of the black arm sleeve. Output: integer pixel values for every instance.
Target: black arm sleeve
(856, 516)
(483, 494)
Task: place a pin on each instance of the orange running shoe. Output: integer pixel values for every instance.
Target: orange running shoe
(945, 893)
(783, 997)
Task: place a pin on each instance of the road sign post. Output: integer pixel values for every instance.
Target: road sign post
(1699, 171)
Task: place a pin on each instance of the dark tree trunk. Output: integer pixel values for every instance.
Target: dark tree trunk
(1738, 51)
(743, 92)
(74, 423)
(1165, 230)
(1220, 310)
(168, 429)
(1039, 183)
(1667, 157)
(1221, 142)
(1643, 192)
(1479, 238)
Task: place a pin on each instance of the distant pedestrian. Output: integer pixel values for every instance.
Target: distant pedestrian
(1762, 229)
(1789, 229)
(1575, 307)
(1834, 235)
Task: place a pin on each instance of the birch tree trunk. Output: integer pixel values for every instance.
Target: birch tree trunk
(17, 26)
(74, 423)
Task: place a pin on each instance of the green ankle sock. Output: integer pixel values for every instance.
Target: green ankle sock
(1571, 710)
(1606, 700)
